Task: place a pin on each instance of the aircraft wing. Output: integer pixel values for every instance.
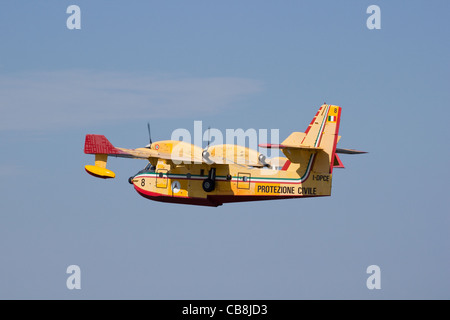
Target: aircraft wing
(223, 160)
(146, 153)
(99, 144)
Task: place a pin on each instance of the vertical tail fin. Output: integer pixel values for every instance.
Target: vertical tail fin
(315, 149)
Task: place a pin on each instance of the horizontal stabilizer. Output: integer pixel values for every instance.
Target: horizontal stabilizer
(349, 151)
(286, 146)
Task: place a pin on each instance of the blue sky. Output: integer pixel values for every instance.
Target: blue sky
(231, 64)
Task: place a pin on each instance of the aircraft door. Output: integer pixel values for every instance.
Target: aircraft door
(243, 180)
(161, 178)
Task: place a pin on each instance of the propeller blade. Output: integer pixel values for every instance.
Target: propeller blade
(209, 137)
(149, 133)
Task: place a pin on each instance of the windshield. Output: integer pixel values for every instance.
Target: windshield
(149, 167)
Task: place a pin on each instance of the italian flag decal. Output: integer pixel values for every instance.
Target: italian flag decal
(332, 114)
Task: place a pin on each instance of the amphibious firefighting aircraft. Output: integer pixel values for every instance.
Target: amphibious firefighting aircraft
(180, 172)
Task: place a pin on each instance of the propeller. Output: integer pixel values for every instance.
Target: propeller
(209, 137)
(205, 153)
(149, 136)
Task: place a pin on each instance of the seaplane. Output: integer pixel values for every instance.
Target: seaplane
(183, 173)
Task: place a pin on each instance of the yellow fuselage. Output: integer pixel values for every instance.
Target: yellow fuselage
(233, 183)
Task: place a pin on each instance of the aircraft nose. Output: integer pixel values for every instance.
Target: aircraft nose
(130, 180)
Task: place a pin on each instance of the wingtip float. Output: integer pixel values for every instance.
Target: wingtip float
(99, 172)
(216, 175)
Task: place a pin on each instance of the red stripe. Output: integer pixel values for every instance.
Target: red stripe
(311, 123)
(286, 165)
(214, 200)
(270, 145)
(237, 180)
(340, 164)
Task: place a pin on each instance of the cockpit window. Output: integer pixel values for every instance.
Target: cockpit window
(149, 167)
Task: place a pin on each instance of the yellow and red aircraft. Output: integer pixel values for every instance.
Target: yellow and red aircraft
(181, 172)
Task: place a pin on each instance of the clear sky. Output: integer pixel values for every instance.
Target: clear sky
(231, 64)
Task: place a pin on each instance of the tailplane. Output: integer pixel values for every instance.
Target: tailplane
(315, 148)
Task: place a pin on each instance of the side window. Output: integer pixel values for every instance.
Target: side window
(161, 178)
(243, 180)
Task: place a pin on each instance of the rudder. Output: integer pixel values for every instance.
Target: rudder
(323, 133)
